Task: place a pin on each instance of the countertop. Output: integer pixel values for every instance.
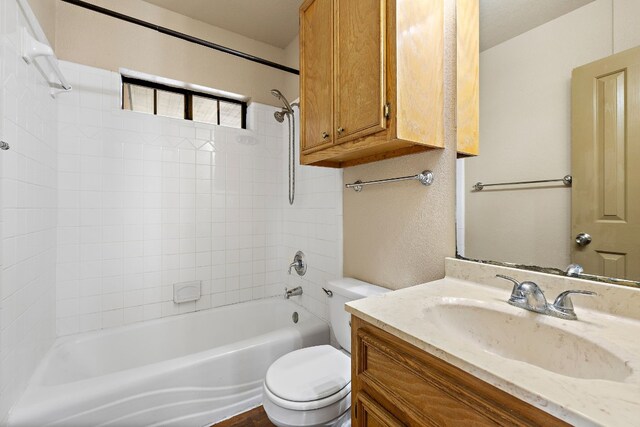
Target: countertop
(582, 399)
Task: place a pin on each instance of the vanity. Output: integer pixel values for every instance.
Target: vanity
(454, 352)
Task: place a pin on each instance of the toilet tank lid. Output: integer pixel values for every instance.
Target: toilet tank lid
(354, 289)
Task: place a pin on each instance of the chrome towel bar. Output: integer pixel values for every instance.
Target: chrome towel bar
(425, 178)
(566, 180)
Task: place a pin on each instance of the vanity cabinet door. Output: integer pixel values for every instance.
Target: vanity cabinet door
(371, 414)
(418, 389)
(316, 75)
(360, 68)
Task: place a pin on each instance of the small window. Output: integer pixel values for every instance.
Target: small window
(152, 98)
(230, 114)
(170, 104)
(205, 110)
(138, 98)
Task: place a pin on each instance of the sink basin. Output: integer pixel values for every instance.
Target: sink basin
(524, 338)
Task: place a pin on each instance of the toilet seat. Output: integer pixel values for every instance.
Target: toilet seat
(334, 415)
(309, 378)
(308, 406)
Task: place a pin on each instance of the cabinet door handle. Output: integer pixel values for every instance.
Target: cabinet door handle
(325, 135)
(340, 130)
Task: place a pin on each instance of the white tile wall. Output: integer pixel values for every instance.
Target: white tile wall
(146, 201)
(313, 224)
(28, 121)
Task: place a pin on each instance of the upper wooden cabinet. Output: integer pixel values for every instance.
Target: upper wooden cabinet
(316, 83)
(360, 90)
(371, 79)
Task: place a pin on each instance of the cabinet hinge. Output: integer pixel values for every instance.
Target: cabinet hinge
(387, 110)
(356, 411)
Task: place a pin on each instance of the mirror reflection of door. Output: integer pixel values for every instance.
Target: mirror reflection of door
(605, 157)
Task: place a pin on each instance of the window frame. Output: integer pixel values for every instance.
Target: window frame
(188, 99)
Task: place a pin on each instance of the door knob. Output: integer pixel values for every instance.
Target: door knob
(325, 135)
(340, 129)
(583, 239)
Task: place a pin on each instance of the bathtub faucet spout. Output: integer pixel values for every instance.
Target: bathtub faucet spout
(288, 293)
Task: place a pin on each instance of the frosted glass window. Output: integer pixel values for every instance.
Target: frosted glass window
(180, 103)
(137, 98)
(205, 109)
(170, 104)
(230, 114)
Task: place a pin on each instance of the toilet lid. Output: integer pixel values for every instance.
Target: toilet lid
(308, 374)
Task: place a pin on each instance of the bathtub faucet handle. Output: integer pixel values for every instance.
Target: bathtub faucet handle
(298, 264)
(288, 293)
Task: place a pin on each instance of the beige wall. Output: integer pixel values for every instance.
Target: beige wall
(397, 235)
(626, 31)
(525, 88)
(89, 38)
(292, 59)
(45, 11)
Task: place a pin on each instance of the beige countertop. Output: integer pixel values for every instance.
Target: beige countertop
(606, 391)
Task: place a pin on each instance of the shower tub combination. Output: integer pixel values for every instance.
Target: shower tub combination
(187, 370)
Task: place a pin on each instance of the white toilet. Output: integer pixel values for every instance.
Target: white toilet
(312, 386)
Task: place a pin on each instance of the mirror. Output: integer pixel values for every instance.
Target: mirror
(535, 127)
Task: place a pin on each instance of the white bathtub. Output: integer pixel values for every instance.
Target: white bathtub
(188, 370)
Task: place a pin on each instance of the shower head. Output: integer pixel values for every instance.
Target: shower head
(279, 115)
(280, 96)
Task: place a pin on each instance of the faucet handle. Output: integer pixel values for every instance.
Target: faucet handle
(563, 301)
(515, 292)
(527, 295)
(298, 264)
(511, 279)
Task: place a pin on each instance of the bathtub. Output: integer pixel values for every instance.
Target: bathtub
(188, 370)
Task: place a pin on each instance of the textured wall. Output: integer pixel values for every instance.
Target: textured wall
(397, 235)
(27, 213)
(89, 38)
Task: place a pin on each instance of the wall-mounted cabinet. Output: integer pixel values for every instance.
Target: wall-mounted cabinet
(371, 79)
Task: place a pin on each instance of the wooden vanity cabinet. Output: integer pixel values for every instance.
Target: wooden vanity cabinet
(394, 383)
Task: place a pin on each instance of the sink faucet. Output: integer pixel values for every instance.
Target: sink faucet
(574, 270)
(526, 295)
(529, 296)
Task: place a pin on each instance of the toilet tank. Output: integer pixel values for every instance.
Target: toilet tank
(345, 290)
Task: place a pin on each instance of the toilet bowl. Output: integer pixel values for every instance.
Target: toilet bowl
(312, 386)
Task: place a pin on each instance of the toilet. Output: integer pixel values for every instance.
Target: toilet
(312, 386)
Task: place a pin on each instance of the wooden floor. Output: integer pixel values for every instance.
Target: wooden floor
(254, 418)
